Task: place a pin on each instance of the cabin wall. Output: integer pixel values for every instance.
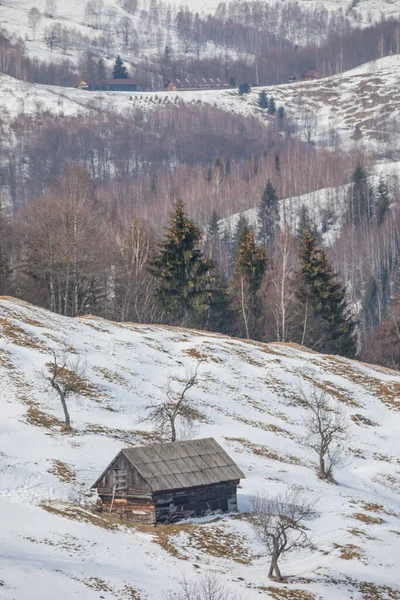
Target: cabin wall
(196, 501)
(138, 510)
(124, 477)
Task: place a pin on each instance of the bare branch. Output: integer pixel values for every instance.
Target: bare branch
(176, 405)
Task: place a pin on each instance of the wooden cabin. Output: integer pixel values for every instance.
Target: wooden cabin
(160, 483)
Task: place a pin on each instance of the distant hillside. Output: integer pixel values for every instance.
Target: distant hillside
(54, 545)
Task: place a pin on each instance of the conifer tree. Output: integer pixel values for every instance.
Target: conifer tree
(382, 201)
(213, 225)
(304, 221)
(327, 325)
(119, 70)
(183, 274)
(262, 100)
(250, 266)
(360, 204)
(244, 88)
(271, 106)
(268, 214)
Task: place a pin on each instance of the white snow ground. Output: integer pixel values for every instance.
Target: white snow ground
(51, 546)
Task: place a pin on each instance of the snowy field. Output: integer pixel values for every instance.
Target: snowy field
(54, 546)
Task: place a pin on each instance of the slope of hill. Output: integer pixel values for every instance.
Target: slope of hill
(54, 545)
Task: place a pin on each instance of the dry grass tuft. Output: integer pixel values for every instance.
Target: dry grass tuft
(209, 538)
(286, 593)
(367, 519)
(350, 552)
(61, 470)
(260, 450)
(19, 337)
(361, 420)
(35, 416)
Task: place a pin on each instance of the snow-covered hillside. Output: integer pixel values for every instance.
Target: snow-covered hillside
(326, 112)
(54, 545)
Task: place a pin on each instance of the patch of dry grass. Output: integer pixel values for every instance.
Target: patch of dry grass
(18, 336)
(361, 420)
(266, 452)
(388, 392)
(111, 376)
(37, 417)
(209, 538)
(350, 552)
(367, 519)
(287, 593)
(61, 470)
(361, 533)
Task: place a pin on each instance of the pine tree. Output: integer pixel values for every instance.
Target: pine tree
(183, 274)
(327, 325)
(250, 266)
(119, 70)
(382, 201)
(271, 106)
(262, 100)
(268, 214)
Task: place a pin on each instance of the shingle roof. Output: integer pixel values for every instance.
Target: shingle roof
(199, 82)
(178, 465)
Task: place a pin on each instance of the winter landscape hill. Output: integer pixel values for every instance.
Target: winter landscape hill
(53, 544)
(328, 112)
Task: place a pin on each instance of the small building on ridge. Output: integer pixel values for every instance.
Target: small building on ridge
(199, 83)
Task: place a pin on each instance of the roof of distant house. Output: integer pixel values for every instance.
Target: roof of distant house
(199, 82)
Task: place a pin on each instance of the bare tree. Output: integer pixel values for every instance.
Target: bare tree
(279, 525)
(326, 426)
(125, 29)
(176, 405)
(51, 9)
(66, 375)
(209, 587)
(34, 18)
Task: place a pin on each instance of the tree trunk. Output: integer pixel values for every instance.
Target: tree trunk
(322, 467)
(274, 567)
(66, 413)
(173, 430)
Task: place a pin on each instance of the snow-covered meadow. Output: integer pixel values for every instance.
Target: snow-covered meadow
(53, 544)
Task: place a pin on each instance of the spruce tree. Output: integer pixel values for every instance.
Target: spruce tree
(213, 225)
(268, 214)
(271, 106)
(250, 266)
(244, 88)
(262, 100)
(360, 204)
(327, 326)
(304, 221)
(119, 70)
(382, 201)
(183, 274)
